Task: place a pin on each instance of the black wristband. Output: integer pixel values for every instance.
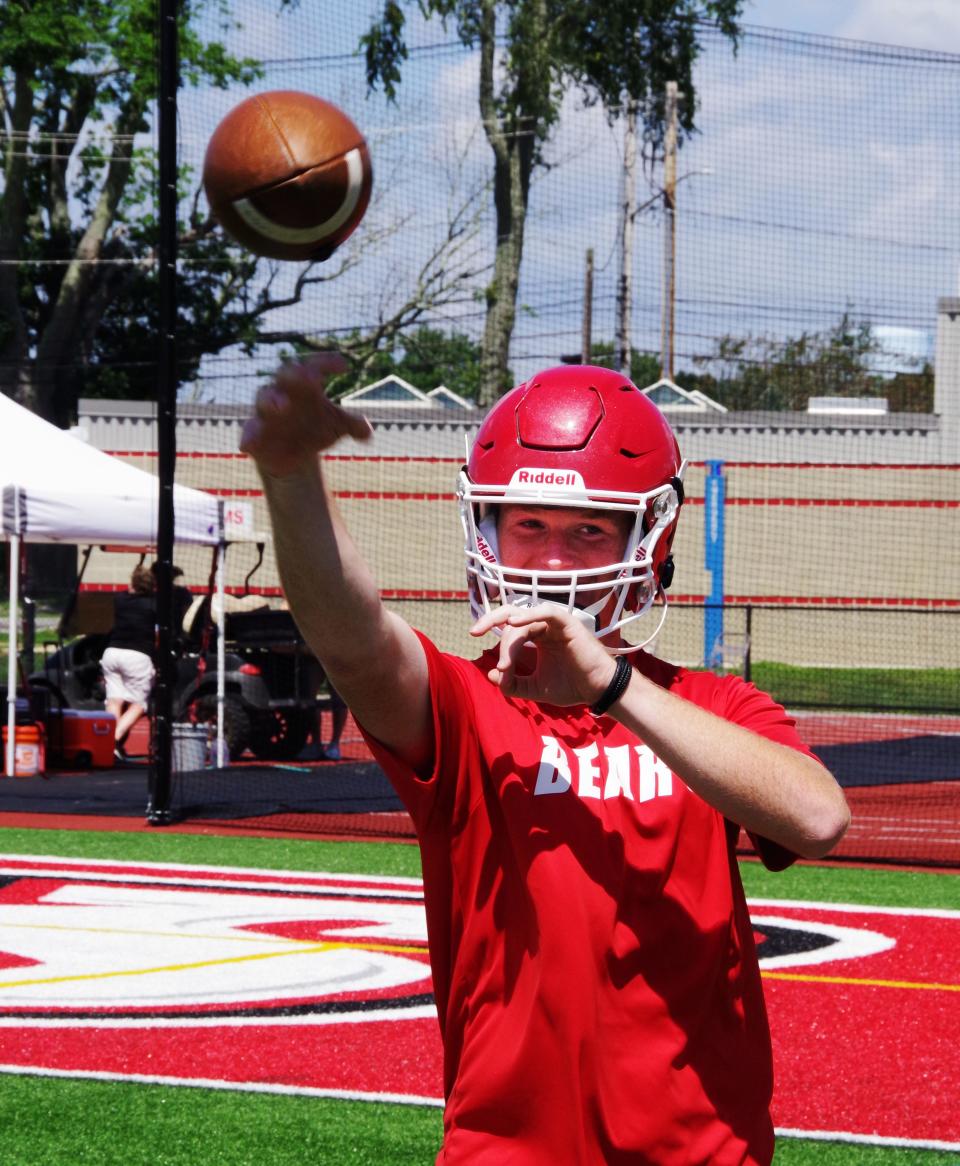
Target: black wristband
(616, 688)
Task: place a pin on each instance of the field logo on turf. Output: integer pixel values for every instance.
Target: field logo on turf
(125, 943)
(118, 941)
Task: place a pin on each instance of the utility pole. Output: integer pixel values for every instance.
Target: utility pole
(586, 341)
(670, 231)
(628, 214)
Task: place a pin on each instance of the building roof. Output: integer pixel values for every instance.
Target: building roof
(670, 398)
(449, 399)
(392, 391)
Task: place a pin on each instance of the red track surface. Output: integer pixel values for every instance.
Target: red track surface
(909, 823)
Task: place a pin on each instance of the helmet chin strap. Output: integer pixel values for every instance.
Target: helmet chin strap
(626, 649)
(589, 620)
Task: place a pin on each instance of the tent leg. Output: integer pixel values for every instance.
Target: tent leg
(12, 651)
(221, 655)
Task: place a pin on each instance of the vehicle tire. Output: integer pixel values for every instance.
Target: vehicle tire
(236, 720)
(280, 734)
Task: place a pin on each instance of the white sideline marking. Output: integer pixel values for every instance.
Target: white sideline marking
(867, 1139)
(435, 1102)
(240, 1087)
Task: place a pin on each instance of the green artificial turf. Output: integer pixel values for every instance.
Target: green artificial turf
(807, 881)
(852, 884)
(277, 853)
(806, 1152)
(62, 1122)
(58, 1122)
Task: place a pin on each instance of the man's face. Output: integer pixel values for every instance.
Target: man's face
(551, 538)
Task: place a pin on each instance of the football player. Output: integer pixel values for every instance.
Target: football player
(577, 800)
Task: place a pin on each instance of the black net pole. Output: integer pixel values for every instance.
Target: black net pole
(159, 811)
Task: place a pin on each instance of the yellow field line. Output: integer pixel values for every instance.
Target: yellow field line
(401, 949)
(865, 983)
(267, 955)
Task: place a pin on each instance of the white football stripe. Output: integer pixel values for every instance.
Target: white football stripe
(316, 234)
(95, 865)
(370, 1015)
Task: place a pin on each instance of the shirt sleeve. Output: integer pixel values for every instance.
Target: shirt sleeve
(426, 796)
(746, 705)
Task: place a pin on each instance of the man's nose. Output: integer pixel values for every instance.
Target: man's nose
(557, 553)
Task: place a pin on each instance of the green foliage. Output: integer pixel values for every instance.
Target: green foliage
(424, 356)
(910, 392)
(80, 83)
(115, 357)
(761, 372)
(531, 52)
(610, 49)
(644, 366)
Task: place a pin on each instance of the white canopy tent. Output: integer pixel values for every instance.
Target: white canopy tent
(58, 489)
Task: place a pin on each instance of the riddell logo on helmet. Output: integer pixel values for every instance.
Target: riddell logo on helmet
(532, 476)
(485, 549)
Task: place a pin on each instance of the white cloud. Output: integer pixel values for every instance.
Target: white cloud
(919, 24)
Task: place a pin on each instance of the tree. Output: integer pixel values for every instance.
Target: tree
(78, 217)
(911, 392)
(425, 357)
(431, 357)
(77, 85)
(531, 51)
(644, 366)
(760, 372)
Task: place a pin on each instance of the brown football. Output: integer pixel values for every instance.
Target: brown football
(288, 175)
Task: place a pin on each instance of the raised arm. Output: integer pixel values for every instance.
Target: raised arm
(373, 658)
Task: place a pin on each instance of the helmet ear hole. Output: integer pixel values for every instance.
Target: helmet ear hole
(666, 572)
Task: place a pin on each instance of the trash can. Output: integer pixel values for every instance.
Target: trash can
(189, 747)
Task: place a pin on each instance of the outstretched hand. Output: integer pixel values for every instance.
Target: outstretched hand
(294, 419)
(547, 654)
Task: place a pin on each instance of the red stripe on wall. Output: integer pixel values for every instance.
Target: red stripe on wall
(201, 454)
(839, 503)
(818, 601)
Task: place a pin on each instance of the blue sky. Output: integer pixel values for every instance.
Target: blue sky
(918, 24)
(743, 116)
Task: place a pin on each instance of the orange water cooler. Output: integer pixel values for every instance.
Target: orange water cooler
(29, 751)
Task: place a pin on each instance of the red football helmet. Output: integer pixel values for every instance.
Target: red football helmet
(574, 436)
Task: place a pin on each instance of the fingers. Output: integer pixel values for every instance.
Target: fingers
(294, 418)
(516, 659)
(534, 620)
(327, 363)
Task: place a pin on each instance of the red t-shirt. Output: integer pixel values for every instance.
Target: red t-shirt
(593, 960)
